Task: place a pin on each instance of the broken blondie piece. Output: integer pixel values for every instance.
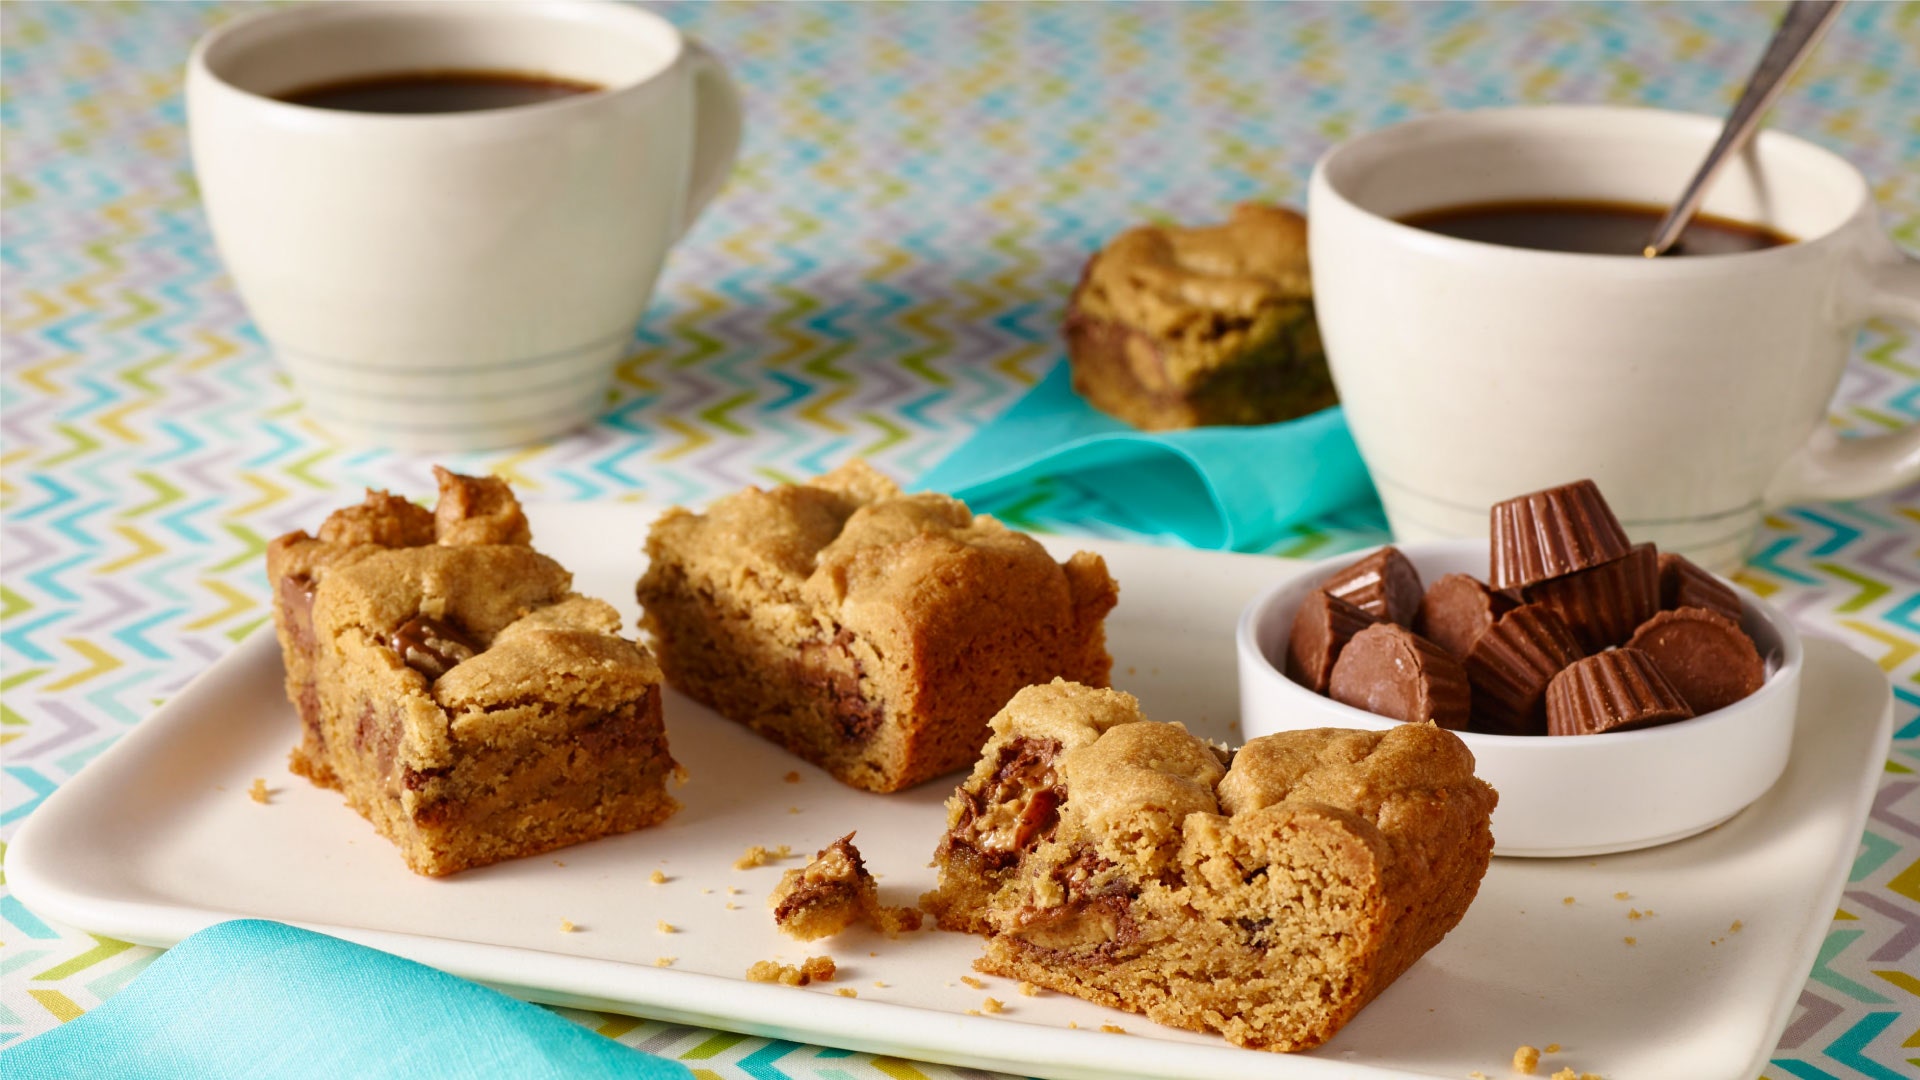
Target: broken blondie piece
(870, 632)
(456, 690)
(1266, 894)
(833, 892)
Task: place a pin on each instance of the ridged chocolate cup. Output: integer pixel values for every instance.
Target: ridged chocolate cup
(1321, 628)
(1384, 585)
(1603, 605)
(1683, 584)
(1390, 671)
(1553, 532)
(1511, 666)
(1456, 610)
(1617, 690)
(1704, 654)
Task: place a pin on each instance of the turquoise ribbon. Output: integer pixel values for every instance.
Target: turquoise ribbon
(1227, 488)
(256, 999)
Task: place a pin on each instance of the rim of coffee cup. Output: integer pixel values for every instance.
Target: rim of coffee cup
(1327, 181)
(207, 59)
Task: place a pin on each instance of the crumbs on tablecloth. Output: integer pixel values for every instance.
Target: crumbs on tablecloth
(258, 792)
(1526, 1059)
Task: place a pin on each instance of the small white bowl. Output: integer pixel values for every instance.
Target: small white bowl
(1566, 795)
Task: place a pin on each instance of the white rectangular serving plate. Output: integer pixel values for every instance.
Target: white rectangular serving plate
(158, 838)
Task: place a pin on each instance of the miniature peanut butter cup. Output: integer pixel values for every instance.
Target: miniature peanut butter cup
(1553, 532)
(1684, 584)
(1457, 610)
(1616, 690)
(1704, 654)
(1390, 671)
(1321, 628)
(1384, 585)
(1511, 666)
(1603, 605)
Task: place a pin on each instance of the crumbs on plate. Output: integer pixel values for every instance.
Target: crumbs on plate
(812, 969)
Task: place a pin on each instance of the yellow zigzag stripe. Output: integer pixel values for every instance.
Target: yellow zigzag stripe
(99, 663)
(60, 1005)
(237, 602)
(1898, 649)
(106, 948)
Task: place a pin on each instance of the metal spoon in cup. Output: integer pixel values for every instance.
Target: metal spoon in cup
(1800, 30)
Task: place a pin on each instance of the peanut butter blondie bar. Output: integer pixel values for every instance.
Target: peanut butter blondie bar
(1176, 327)
(456, 690)
(871, 632)
(1267, 894)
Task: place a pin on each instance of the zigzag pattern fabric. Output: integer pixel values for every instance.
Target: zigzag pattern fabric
(886, 271)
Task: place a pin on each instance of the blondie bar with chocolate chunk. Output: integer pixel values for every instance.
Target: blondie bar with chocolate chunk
(871, 632)
(456, 690)
(1175, 327)
(1267, 894)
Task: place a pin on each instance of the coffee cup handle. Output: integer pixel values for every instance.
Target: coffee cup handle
(1830, 467)
(716, 129)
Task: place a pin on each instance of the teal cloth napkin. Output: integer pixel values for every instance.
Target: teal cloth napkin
(1228, 488)
(254, 999)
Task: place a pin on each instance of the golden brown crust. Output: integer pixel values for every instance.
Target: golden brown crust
(1176, 327)
(454, 688)
(869, 631)
(1268, 897)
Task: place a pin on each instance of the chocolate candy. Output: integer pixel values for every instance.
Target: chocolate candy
(1511, 666)
(1384, 584)
(1615, 690)
(1390, 671)
(1321, 628)
(1704, 654)
(1457, 610)
(1682, 584)
(1553, 532)
(1603, 605)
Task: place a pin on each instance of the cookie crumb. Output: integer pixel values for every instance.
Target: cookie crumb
(991, 1005)
(1476, 1075)
(812, 969)
(567, 927)
(666, 927)
(973, 982)
(1735, 928)
(878, 985)
(1553, 1048)
(1565, 1074)
(1633, 913)
(847, 991)
(793, 809)
(1567, 900)
(973, 1012)
(557, 862)
(731, 891)
(1027, 989)
(258, 792)
(1113, 1029)
(782, 851)
(1623, 896)
(657, 878)
(1526, 1059)
(1632, 940)
(792, 777)
(755, 856)
(664, 961)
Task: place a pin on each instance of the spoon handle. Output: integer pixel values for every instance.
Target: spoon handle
(1800, 30)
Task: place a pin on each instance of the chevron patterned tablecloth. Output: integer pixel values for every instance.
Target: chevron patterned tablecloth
(884, 273)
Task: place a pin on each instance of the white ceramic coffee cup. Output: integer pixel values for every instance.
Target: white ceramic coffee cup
(455, 280)
(1694, 390)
